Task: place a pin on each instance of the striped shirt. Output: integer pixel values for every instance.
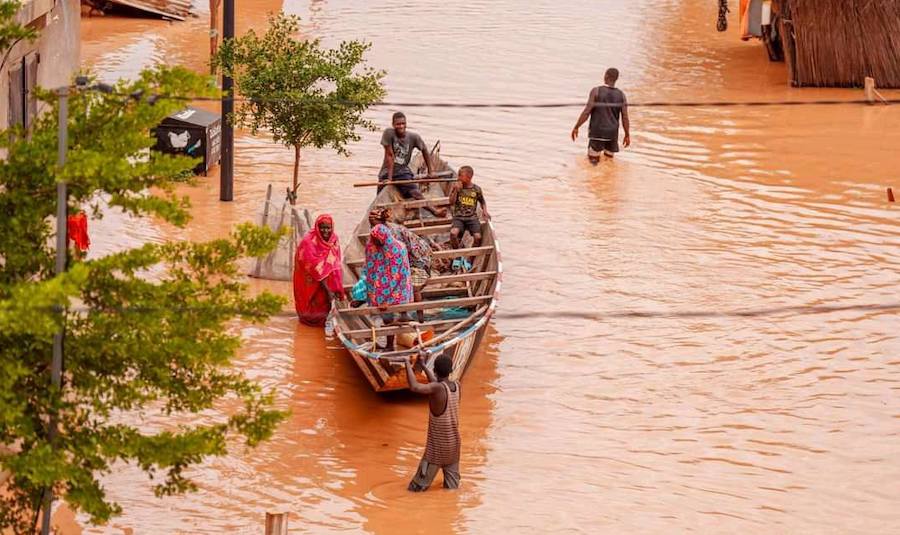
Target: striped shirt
(442, 444)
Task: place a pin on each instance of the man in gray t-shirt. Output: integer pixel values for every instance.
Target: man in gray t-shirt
(605, 105)
(399, 145)
(401, 149)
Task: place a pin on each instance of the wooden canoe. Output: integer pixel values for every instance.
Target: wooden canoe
(457, 306)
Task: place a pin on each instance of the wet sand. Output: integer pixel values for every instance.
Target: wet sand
(641, 424)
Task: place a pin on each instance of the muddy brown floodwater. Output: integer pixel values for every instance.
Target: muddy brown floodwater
(709, 422)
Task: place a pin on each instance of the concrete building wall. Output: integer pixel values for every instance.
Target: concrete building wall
(56, 51)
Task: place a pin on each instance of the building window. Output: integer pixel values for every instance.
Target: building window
(22, 80)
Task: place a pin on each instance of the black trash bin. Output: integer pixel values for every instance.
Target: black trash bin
(194, 132)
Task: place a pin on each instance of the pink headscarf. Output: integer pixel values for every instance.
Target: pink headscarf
(321, 258)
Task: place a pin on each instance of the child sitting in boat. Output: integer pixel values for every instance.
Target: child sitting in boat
(464, 199)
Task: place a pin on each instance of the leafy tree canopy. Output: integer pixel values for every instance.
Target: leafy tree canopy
(146, 329)
(300, 92)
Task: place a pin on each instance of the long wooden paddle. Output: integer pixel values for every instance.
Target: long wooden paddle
(443, 176)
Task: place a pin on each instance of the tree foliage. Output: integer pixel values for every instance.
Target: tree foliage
(12, 33)
(298, 91)
(146, 329)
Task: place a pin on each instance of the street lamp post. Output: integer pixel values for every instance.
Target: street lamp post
(61, 247)
(226, 176)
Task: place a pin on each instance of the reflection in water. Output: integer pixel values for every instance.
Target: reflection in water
(623, 424)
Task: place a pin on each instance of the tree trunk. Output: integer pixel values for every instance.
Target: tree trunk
(296, 173)
(213, 29)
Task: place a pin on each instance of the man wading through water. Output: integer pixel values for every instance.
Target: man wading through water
(442, 444)
(603, 130)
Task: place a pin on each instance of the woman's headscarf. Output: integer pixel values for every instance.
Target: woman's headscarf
(321, 258)
(387, 269)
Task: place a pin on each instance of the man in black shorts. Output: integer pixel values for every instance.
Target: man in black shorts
(464, 198)
(604, 106)
(399, 144)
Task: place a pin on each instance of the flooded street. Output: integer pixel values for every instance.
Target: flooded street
(687, 418)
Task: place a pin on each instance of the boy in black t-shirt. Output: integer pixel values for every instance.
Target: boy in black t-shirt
(464, 198)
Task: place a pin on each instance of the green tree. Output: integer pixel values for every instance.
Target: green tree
(11, 33)
(298, 91)
(146, 329)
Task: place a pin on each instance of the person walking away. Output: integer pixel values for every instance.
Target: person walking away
(418, 248)
(399, 143)
(387, 273)
(605, 105)
(442, 443)
(318, 275)
(464, 199)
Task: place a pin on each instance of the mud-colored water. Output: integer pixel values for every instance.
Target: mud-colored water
(787, 422)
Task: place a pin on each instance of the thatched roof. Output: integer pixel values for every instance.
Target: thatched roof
(840, 42)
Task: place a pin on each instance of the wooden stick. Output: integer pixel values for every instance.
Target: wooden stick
(276, 524)
(443, 176)
(418, 203)
(265, 223)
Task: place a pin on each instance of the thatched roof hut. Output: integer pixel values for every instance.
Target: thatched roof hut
(840, 42)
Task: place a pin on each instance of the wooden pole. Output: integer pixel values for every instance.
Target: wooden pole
(265, 223)
(276, 523)
(869, 89)
(226, 164)
(62, 243)
(213, 29)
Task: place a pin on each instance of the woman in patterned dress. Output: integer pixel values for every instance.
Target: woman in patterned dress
(387, 273)
(418, 248)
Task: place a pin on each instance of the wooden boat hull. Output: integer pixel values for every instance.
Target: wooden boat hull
(457, 338)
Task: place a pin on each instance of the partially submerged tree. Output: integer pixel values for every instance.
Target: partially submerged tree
(146, 329)
(298, 91)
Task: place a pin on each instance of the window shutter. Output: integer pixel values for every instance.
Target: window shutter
(31, 66)
(16, 98)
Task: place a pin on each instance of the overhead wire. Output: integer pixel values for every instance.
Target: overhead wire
(583, 313)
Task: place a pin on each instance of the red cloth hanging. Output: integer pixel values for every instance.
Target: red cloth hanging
(76, 227)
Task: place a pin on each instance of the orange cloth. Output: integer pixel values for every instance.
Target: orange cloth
(76, 228)
(744, 12)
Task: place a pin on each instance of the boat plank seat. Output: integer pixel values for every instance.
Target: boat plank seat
(447, 253)
(420, 203)
(422, 305)
(419, 223)
(397, 329)
(468, 251)
(448, 291)
(421, 231)
(449, 279)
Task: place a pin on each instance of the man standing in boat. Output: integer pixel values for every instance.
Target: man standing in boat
(443, 441)
(605, 105)
(399, 144)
